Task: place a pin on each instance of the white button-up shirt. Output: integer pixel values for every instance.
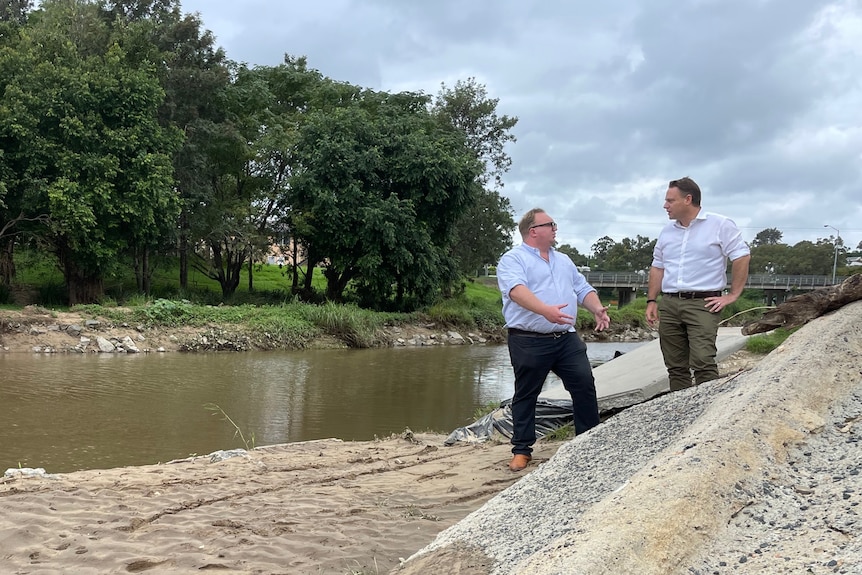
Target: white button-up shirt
(694, 258)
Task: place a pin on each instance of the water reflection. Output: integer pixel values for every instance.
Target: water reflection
(68, 412)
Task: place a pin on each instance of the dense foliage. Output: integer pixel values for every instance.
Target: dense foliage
(128, 136)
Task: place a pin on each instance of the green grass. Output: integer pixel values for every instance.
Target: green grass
(291, 325)
(562, 433)
(484, 410)
(275, 315)
(270, 283)
(765, 343)
(631, 315)
(355, 326)
(479, 307)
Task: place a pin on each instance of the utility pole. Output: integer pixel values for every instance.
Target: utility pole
(834, 261)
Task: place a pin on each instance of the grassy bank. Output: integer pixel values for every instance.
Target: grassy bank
(296, 325)
(275, 318)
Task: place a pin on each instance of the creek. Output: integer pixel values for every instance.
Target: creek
(65, 412)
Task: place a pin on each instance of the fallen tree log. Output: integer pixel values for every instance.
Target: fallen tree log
(802, 308)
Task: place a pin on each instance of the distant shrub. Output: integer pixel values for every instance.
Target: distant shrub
(168, 312)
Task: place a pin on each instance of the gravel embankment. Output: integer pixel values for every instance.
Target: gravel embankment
(757, 473)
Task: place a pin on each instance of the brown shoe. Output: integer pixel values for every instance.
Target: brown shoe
(519, 462)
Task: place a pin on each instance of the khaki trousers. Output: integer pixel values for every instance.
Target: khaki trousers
(687, 333)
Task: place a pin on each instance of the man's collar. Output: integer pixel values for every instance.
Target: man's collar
(535, 249)
(700, 215)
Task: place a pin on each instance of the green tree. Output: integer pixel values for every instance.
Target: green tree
(577, 258)
(629, 255)
(467, 107)
(15, 11)
(18, 183)
(250, 163)
(295, 90)
(379, 187)
(771, 259)
(194, 73)
(767, 237)
(484, 230)
(226, 218)
(99, 159)
(807, 258)
(602, 251)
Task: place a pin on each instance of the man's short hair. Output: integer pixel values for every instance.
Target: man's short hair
(528, 220)
(688, 187)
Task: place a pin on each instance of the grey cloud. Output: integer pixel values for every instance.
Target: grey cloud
(744, 96)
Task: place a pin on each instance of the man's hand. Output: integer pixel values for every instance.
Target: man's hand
(522, 296)
(600, 312)
(652, 314)
(554, 314)
(716, 304)
(603, 320)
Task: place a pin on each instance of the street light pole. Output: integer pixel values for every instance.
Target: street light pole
(835, 261)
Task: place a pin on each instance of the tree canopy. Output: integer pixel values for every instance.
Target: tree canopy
(484, 229)
(377, 192)
(86, 146)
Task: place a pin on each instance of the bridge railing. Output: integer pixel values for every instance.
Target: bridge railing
(755, 281)
(788, 282)
(616, 279)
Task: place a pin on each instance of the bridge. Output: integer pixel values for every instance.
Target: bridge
(777, 287)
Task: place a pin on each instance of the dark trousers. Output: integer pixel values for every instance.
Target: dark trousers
(687, 333)
(532, 359)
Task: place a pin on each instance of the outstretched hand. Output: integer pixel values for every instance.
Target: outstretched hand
(603, 320)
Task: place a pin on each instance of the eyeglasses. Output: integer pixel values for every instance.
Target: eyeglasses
(552, 225)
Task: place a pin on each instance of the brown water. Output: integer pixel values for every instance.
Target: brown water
(67, 412)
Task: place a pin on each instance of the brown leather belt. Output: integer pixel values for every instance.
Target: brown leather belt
(515, 331)
(693, 294)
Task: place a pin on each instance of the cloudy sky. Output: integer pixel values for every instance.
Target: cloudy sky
(760, 101)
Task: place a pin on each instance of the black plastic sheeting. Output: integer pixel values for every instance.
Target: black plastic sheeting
(551, 414)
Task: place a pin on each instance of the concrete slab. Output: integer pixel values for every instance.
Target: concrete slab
(640, 374)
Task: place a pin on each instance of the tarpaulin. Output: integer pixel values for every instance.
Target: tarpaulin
(551, 414)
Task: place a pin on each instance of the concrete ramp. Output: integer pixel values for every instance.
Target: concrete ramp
(640, 374)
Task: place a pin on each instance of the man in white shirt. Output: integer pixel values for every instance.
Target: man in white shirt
(689, 269)
(541, 290)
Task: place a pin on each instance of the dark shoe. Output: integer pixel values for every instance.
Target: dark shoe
(519, 462)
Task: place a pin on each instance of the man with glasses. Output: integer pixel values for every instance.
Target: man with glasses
(541, 290)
